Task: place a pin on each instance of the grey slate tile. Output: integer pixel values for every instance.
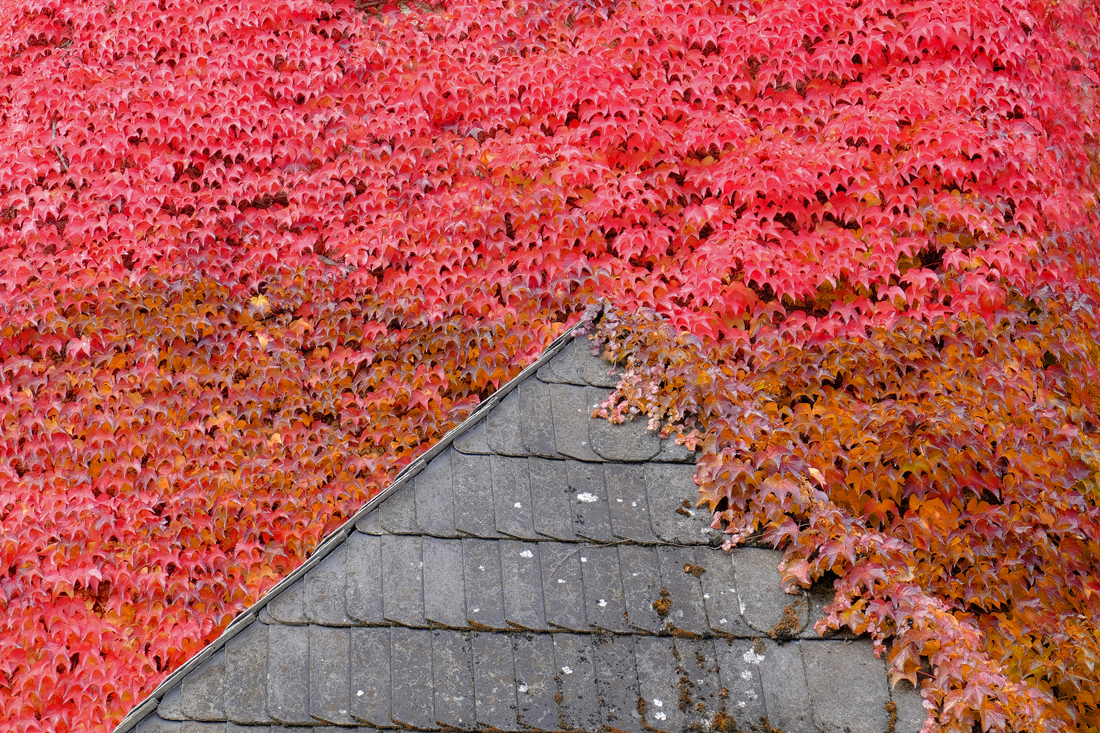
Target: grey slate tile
(591, 518)
(617, 682)
(687, 612)
(551, 499)
(657, 678)
(288, 674)
(329, 667)
(562, 367)
(494, 681)
(171, 705)
(204, 690)
(397, 513)
(604, 603)
(848, 687)
(370, 524)
(700, 688)
(473, 489)
(910, 708)
(626, 500)
(156, 724)
(435, 511)
(444, 589)
(231, 727)
(535, 685)
(453, 677)
(536, 419)
(672, 453)
(324, 592)
(572, 413)
(402, 580)
(411, 677)
(786, 696)
(591, 367)
(764, 605)
(484, 593)
(668, 486)
(245, 670)
(521, 576)
(740, 674)
(289, 606)
(474, 440)
(630, 441)
(512, 503)
(819, 595)
(369, 689)
(720, 592)
(363, 568)
(641, 577)
(576, 671)
(562, 585)
(504, 433)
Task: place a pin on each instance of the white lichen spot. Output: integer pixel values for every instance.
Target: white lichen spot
(723, 621)
(659, 716)
(740, 703)
(741, 603)
(584, 559)
(522, 688)
(752, 657)
(518, 505)
(482, 569)
(359, 694)
(561, 580)
(658, 703)
(526, 553)
(634, 503)
(587, 497)
(602, 603)
(706, 595)
(475, 610)
(746, 674)
(567, 670)
(750, 695)
(619, 500)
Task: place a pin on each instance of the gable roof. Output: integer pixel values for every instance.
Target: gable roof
(536, 569)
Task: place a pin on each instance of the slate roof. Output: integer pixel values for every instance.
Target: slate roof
(537, 570)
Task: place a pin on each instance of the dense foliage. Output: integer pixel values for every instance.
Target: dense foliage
(254, 256)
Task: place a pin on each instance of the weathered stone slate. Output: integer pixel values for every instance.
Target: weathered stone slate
(536, 420)
(435, 510)
(402, 580)
(847, 686)
(505, 437)
(453, 676)
(561, 368)
(474, 440)
(626, 500)
(473, 489)
(604, 603)
(204, 690)
(630, 441)
(672, 453)
(551, 499)
(363, 568)
(411, 677)
(739, 671)
(484, 594)
(910, 708)
(591, 518)
(329, 667)
(171, 705)
(657, 678)
(668, 487)
(289, 606)
(617, 681)
(512, 503)
(156, 724)
(641, 576)
(397, 513)
(370, 524)
(562, 585)
(720, 592)
(764, 605)
(288, 674)
(818, 596)
(444, 589)
(521, 577)
(324, 590)
(687, 612)
(535, 685)
(786, 696)
(245, 671)
(494, 681)
(580, 705)
(699, 686)
(369, 691)
(571, 412)
(591, 367)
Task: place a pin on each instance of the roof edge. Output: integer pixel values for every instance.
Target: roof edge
(337, 536)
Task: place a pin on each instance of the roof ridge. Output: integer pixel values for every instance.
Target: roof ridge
(337, 537)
